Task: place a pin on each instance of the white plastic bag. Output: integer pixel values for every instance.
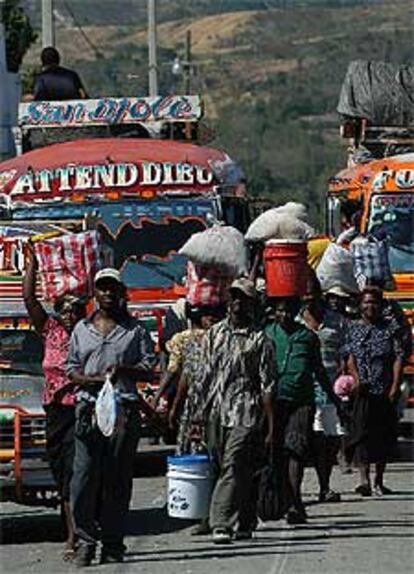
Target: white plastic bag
(106, 408)
(221, 246)
(336, 269)
(283, 222)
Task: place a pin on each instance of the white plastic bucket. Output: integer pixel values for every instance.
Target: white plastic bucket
(189, 486)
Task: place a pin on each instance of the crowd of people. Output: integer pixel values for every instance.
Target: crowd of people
(250, 382)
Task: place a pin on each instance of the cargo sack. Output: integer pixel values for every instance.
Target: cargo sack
(371, 261)
(221, 246)
(207, 285)
(271, 500)
(106, 408)
(336, 269)
(68, 263)
(283, 222)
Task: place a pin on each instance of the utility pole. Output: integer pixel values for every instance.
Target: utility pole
(3, 64)
(48, 28)
(187, 66)
(152, 50)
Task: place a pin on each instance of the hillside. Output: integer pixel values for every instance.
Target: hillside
(270, 76)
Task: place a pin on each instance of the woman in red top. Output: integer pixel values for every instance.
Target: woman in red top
(58, 397)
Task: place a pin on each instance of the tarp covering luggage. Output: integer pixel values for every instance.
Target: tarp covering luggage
(381, 92)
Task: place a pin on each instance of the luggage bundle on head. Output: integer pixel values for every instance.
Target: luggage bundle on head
(207, 285)
(371, 263)
(336, 269)
(283, 222)
(285, 233)
(216, 257)
(68, 263)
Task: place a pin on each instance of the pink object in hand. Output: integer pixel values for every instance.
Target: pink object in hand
(344, 385)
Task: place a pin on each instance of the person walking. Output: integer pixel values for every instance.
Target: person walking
(58, 396)
(54, 81)
(110, 341)
(327, 428)
(237, 386)
(298, 364)
(375, 360)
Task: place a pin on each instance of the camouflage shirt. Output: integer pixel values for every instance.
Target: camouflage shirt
(238, 371)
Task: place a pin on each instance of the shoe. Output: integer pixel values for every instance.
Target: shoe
(380, 490)
(201, 529)
(84, 556)
(364, 490)
(111, 557)
(295, 516)
(243, 535)
(329, 496)
(221, 536)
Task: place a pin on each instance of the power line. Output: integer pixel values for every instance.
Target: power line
(78, 25)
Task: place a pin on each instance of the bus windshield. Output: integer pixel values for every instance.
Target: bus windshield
(393, 215)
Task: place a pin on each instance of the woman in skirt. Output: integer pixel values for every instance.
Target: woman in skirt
(375, 360)
(58, 398)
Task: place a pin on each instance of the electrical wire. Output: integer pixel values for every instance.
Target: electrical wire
(78, 25)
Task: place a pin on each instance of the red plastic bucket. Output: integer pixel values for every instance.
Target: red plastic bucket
(285, 266)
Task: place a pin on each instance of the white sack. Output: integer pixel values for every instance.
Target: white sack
(220, 246)
(294, 209)
(336, 269)
(277, 223)
(105, 408)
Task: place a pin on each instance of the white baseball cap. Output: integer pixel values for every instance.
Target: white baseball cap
(108, 273)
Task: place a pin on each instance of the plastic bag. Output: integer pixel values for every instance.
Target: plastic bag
(336, 269)
(283, 222)
(220, 246)
(344, 386)
(206, 285)
(67, 264)
(106, 408)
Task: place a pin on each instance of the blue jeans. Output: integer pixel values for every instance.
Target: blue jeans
(101, 485)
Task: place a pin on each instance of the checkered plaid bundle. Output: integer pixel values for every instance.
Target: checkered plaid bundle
(68, 263)
(206, 285)
(371, 261)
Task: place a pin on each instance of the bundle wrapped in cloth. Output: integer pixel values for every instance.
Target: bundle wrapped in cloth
(207, 285)
(336, 269)
(283, 222)
(68, 263)
(221, 247)
(371, 262)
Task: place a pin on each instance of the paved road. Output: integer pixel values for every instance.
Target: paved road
(352, 537)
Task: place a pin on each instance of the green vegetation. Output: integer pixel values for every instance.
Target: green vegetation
(19, 34)
(270, 76)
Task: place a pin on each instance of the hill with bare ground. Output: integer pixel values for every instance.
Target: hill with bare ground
(270, 72)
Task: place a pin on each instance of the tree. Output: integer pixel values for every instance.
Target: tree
(19, 34)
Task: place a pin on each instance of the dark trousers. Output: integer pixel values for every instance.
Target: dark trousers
(232, 454)
(102, 476)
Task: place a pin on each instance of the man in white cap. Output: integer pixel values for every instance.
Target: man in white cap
(237, 387)
(109, 341)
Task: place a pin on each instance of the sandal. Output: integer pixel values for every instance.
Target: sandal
(68, 553)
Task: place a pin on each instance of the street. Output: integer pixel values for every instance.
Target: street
(354, 536)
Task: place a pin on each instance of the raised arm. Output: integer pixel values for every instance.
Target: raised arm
(37, 314)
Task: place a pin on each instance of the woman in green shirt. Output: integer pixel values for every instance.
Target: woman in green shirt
(299, 364)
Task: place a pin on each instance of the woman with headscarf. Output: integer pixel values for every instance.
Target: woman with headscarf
(375, 360)
(58, 397)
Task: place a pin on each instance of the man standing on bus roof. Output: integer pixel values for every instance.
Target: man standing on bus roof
(56, 82)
